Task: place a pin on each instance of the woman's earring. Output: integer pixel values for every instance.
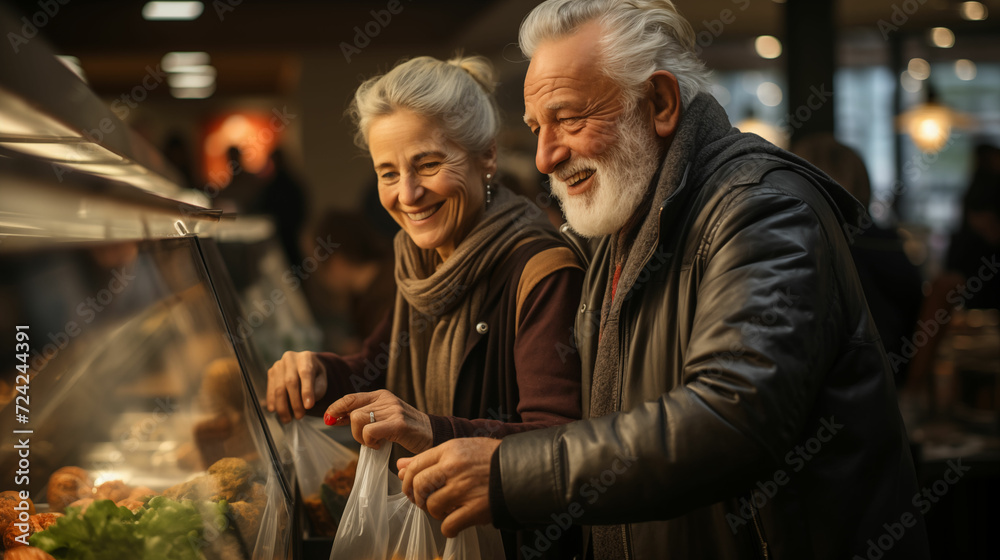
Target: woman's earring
(489, 191)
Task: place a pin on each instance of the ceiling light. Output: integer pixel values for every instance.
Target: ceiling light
(974, 11)
(191, 80)
(942, 37)
(965, 69)
(179, 61)
(919, 69)
(172, 11)
(768, 46)
(193, 93)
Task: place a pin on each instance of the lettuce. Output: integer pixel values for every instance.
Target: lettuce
(164, 529)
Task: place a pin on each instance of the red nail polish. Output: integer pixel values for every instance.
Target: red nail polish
(329, 420)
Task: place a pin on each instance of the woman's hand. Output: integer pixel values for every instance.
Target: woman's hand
(294, 384)
(394, 420)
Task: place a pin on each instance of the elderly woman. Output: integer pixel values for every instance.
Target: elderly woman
(479, 341)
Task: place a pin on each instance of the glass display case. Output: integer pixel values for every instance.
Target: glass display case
(129, 378)
(130, 423)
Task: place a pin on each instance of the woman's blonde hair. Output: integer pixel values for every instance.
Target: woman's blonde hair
(458, 94)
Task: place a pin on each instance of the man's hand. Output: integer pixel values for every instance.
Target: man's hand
(294, 384)
(452, 482)
(394, 420)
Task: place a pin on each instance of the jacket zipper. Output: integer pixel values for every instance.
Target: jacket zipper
(625, 539)
(758, 527)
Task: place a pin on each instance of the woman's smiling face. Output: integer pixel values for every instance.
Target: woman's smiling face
(431, 186)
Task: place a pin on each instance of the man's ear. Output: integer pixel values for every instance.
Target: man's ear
(665, 97)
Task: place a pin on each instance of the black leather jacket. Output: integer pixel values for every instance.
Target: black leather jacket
(758, 418)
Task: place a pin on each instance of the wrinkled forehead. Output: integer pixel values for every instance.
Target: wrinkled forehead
(563, 62)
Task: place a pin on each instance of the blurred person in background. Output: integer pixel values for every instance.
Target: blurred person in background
(178, 153)
(284, 199)
(478, 342)
(357, 280)
(970, 278)
(892, 283)
(244, 187)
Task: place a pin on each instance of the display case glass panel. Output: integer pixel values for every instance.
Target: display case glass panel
(133, 378)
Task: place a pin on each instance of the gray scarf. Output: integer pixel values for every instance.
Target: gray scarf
(437, 303)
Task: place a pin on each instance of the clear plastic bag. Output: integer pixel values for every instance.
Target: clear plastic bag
(325, 472)
(364, 528)
(475, 543)
(414, 540)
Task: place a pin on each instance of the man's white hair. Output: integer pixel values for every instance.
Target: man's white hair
(640, 37)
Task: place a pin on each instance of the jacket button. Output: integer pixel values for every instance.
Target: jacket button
(583, 308)
(482, 328)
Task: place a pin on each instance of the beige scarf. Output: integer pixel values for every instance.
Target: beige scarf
(437, 304)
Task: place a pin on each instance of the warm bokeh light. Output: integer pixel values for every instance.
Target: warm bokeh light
(769, 93)
(722, 94)
(942, 37)
(909, 83)
(965, 69)
(251, 132)
(770, 133)
(919, 69)
(974, 11)
(183, 61)
(172, 11)
(768, 46)
(930, 124)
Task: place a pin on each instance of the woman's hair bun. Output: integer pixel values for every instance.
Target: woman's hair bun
(480, 68)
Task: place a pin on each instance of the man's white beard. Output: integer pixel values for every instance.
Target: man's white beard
(621, 178)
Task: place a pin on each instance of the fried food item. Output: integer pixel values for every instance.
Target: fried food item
(323, 524)
(141, 493)
(114, 490)
(247, 517)
(28, 553)
(232, 476)
(36, 523)
(132, 505)
(8, 501)
(326, 507)
(342, 481)
(68, 485)
(82, 503)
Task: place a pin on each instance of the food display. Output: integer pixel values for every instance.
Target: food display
(219, 512)
(11, 505)
(326, 507)
(17, 533)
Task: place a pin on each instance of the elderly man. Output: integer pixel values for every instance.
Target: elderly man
(738, 397)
